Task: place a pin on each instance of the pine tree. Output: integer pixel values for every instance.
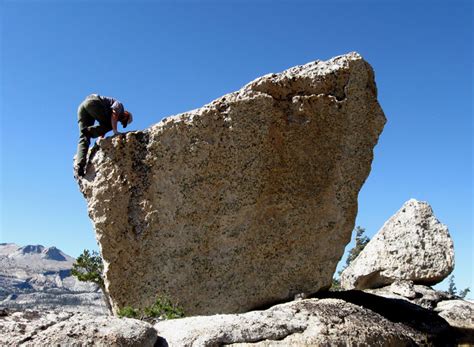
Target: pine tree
(361, 241)
(336, 284)
(89, 267)
(464, 292)
(451, 286)
(453, 290)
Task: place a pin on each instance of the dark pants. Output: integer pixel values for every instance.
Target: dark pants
(89, 111)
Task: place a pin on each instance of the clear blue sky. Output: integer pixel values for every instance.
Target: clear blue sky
(163, 58)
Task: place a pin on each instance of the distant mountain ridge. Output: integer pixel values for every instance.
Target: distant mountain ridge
(50, 253)
(35, 276)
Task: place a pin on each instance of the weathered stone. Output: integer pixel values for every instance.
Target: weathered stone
(313, 322)
(51, 328)
(412, 245)
(244, 202)
(458, 313)
(403, 288)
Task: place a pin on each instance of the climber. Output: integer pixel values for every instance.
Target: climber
(107, 112)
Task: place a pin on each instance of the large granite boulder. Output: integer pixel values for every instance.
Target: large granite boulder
(412, 246)
(244, 202)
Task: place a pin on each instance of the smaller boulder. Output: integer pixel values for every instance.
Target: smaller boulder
(411, 246)
(403, 288)
(458, 313)
(59, 328)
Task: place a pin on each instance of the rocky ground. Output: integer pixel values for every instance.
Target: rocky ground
(315, 322)
(333, 318)
(66, 328)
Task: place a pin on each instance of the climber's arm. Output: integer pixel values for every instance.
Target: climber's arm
(115, 118)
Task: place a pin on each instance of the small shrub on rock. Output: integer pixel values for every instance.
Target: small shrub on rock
(128, 312)
(336, 284)
(164, 308)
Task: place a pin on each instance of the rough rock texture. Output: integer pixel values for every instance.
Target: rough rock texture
(412, 245)
(458, 313)
(314, 322)
(244, 202)
(38, 277)
(54, 328)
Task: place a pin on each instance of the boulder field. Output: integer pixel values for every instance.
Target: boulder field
(346, 318)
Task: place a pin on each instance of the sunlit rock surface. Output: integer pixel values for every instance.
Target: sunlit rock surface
(55, 328)
(348, 319)
(412, 245)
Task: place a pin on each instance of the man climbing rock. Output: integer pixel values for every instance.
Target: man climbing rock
(107, 112)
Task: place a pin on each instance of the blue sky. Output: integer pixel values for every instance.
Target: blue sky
(162, 58)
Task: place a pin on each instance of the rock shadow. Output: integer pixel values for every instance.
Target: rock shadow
(437, 329)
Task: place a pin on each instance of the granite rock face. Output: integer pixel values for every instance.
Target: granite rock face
(313, 322)
(55, 328)
(244, 202)
(412, 245)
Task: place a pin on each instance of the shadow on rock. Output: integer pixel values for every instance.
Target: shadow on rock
(407, 313)
(161, 342)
